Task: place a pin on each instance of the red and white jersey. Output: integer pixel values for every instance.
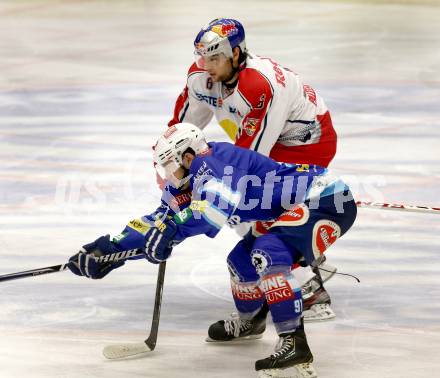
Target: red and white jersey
(270, 111)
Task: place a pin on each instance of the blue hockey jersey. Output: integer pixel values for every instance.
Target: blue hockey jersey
(230, 183)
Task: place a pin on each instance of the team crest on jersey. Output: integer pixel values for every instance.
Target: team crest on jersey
(325, 233)
(296, 216)
(251, 126)
(260, 260)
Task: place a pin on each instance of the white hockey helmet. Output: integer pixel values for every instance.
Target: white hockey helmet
(171, 146)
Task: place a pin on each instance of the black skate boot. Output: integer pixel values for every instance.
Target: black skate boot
(292, 358)
(316, 300)
(239, 329)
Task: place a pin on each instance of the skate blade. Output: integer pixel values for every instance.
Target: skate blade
(117, 351)
(319, 313)
(235, 340)
(298, 371)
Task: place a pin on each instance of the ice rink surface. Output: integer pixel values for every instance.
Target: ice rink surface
(86, 88)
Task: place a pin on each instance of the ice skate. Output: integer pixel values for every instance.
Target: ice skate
(234, 328)
(292, 358)
(316, 301)
(326, 270)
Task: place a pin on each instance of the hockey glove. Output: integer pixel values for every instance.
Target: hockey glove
(84, 263)
(159, 240)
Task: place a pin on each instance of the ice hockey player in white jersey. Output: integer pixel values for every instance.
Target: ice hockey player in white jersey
(309, 210)
(262, 106)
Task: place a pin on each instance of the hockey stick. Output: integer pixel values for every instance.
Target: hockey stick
(393, 206)
(118, 351)
(116, 256)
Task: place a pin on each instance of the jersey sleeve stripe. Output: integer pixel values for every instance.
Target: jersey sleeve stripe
(300, 121)
(182, 117)
(219, 188)
(215, 216)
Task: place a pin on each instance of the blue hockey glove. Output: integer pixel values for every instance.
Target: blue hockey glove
(84, 263)
(159, 240)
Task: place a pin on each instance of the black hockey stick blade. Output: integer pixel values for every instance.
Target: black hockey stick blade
(152, 338)
(118, 351)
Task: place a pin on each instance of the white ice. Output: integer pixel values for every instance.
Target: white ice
(85, 89)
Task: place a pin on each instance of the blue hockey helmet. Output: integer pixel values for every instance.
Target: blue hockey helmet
(221, 35)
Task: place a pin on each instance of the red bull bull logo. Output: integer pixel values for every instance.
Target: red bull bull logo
(251, 126)
(224, 30)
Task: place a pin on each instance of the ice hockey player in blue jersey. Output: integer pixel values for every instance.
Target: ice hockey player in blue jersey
(304, 208)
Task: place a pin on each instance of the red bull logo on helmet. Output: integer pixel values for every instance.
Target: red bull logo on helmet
(224, 30)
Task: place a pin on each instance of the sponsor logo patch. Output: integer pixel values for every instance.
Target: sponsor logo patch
(297, 216)
(183, 216)
(276, 288)
(245, 291)
(210, 100)
(225, 30)
(120, 237)
(310, 93)
(139, 225)
(183, 198)
(325, 233)
(199, 206)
